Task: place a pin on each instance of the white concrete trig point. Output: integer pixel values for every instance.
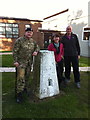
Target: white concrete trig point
(45, 75)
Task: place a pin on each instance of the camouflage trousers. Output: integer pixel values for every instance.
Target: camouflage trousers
(22, 78)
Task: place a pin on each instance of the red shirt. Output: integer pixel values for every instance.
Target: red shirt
(58, 57)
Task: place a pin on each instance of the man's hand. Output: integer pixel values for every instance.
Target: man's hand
(16, 64)
(35, 53)
(78, 56)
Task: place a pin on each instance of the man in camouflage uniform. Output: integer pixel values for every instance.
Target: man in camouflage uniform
(23, 51)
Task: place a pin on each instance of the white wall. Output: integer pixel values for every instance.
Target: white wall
(78, 16)
(89, 13)
(58, 22)
(78, 26)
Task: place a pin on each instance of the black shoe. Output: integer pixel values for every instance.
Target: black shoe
(67, 81)
(19, 98)
(78, 85)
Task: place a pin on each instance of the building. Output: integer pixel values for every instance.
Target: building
(12, 28)
(53, 25)
(81, 26)
(78, 19)
(47, 36)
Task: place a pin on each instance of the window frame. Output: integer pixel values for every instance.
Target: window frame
(85, 30)
(11, 26)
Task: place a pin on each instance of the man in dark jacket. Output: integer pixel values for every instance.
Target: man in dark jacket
(71, 55)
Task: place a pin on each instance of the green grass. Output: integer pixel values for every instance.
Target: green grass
(5, 51)
(72, 103)
(7, 61)
(84, 62)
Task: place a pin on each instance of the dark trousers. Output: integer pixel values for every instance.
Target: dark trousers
(75, 64)
(59, 68)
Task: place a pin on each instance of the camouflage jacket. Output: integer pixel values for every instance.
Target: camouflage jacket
(23, 49)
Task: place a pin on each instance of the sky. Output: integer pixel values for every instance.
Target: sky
(38, 9)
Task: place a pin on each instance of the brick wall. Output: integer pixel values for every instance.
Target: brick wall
(6, 44)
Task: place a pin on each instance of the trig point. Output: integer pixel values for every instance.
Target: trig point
(45, 82)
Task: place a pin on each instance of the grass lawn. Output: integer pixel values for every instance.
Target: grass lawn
(84, 62)
(5, 51)
(7, 61)
(72, 103)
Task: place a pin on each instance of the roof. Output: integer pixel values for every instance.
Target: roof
(47, 30)
(24, 19)
(56, 14)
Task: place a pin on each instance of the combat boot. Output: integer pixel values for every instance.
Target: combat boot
(19, 97)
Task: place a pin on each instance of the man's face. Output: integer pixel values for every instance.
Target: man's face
(69, 30)
(28, 34)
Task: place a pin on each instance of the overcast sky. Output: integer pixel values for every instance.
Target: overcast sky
(38, 9)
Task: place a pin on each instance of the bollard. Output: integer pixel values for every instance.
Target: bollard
(45, 82)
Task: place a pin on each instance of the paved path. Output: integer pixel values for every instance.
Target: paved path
(12, 69)
(7, 69)
(7, 53)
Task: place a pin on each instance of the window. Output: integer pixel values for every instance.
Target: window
(86, 34)
(9, 30)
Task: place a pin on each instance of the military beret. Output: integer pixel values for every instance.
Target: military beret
(28, 29)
